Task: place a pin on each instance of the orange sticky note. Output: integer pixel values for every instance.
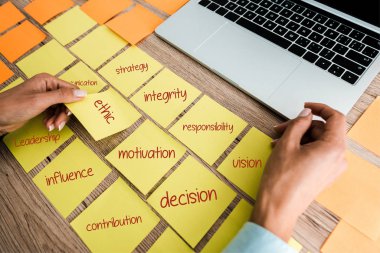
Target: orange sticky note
(103, 10)
(135, 25)
(366, 130)
(43, 10)
(168, 6)
(9, 16)
(5, 72)
(346, 239)
(20, 40)
(355, 196)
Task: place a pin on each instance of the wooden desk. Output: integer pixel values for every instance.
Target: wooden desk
(29, 223)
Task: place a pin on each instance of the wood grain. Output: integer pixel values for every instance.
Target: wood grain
(29, 223)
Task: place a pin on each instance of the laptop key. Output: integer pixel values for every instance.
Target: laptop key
(331, 34)
(350, 77)
(344, 29)
(296, 18)
(287, 4)
(320, 19)
(221, 11)
(303, 42)
(282, 21)
(293, 26)
(271, 15)
(327, 43)
(213, 6)
(280, 30)
(264, 33)
(249, 15)
(261, 11)
(231, 6)
(298, 9)
(336, 70)
(319, 28)
(311, 57)
(368, 51)
(316, 37)
(291, 36)
(204, 2)
(277, 1)
(304, 31)
(240, 10)
(297, 50)
(252, 6)
(323, 63)
(242, 2)
(348, 64)
(340, 49)
(232, 16)
(221, 2)
(259, 20)
(269, 25)
(359, 58)
(344, 40)
(256, 1)
(332, 24)
(328, 54)
(308, 23)
(314, 47)
(286, 13)
(356, 35)
(309, 13)
(372, 42)
(266, 4)
(356, 45)
(275, 8)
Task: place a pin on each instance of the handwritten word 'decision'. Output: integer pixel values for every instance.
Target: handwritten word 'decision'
(166, 96)
(188, 198)
(247, 163)
(104, 110)
(144, 67)
(114, 223)
(37, 140)
(59, 177)
(139, 153)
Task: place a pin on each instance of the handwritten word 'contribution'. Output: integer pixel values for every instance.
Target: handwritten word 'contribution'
(144, 67)
(114, 223)
(188, 198)
(104, 111)
(165, 96)
(37, 140)
(139, 153)
(59, 177)
(219, 127)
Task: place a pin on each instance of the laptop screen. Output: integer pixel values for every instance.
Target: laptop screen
(368, 11)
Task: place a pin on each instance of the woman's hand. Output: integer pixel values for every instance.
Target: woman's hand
(34, 96)
(308, 157)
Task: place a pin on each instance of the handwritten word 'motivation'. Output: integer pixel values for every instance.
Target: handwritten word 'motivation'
(188, 198)
(59, 177)
(114, 223)
(104, 111)
(219, 127)
(144, 67)
(165, 96)
(247, 163)
(85, 83)
(37, 140)
(139, 153)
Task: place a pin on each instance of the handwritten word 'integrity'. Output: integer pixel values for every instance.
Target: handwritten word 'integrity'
(114, 223)
(59, 177)
(132, 68)
(104, 111)
(188, 198)
(166, 96)
(224, 126)
(37, 140)
(139, 153)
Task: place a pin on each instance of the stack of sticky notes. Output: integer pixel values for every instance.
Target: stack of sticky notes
(355, 195)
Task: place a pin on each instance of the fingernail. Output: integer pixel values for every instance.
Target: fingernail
(274, 141)
(61, 126)
(51, 127)
(80, 93)
(305, 112)
(69, 113)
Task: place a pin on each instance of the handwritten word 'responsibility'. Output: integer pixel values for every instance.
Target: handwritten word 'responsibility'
(37, 140)
(114, 223)
(166, 95)
(104, 110)
(144, 67)
(219, 127)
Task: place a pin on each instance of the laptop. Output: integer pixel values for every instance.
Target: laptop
(283, 52)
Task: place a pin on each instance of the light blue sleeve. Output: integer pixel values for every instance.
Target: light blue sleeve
(253, 238)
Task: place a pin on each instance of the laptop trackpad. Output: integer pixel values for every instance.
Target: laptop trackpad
(247, 60)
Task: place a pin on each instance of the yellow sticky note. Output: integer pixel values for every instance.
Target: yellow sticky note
(50, 58)
(346, 239)
(208, 129)
(98, 46)
(191, 199)
(245, 164)
(366, 130)
(104, 114)
(130, 70)
(70, 25)
(117, 221)
(230, 227)
(165, 97)
(169, 242)
(83, 77)
(71, 177)
(32, 143)
(146, 156)
(13, 84)
(295, 245)
(355, 196)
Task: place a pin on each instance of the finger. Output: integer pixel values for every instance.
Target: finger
(335, 121)
(280, 128)
(50, 121)
(62, 95)
(317, 129)
(297, 128)
(50, 82)
(61, 120)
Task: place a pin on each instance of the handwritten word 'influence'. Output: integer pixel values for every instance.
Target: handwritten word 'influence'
(85, 83)
(218, 127)
(132, 68)
(114, 223)
(37, 140)
(166, 96)
(247, 163)
(59, 177)
(188, 198)
(139, 153)
(104, 111)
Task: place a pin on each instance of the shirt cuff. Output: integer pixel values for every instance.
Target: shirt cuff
(254, 238)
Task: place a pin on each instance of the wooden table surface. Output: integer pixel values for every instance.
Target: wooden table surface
(29, 223)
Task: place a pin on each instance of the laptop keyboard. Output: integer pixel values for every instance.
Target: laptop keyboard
(335, 45)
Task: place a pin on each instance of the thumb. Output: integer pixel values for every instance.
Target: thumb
(298, 127)
(61, 96)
